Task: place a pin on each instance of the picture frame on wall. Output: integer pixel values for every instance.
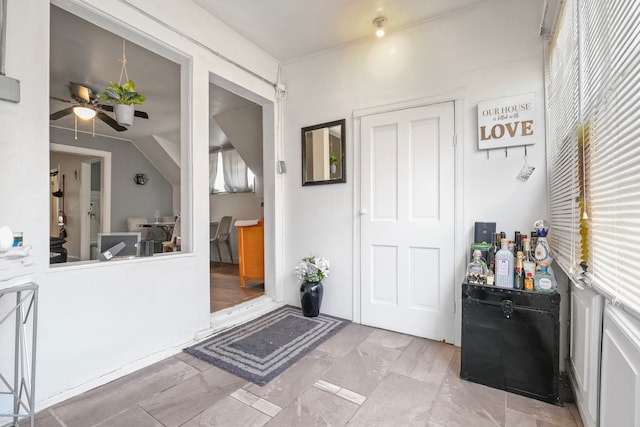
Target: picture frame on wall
(510, 121)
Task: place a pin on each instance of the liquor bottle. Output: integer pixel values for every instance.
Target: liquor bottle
(491, 253)
(516, 242)
(528, 281)
(477, 269)
(543, 280)
(528, 263)
(504, 266)
(542, 251)
(518, 280)
(491, 278)
(533, 240)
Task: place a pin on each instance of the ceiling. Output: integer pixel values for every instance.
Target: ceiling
(292, 29)
(84, 53)
(287, 29)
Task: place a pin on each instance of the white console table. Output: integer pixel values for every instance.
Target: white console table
(18, 326)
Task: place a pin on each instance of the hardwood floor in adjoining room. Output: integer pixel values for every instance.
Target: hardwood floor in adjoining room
(225, 290)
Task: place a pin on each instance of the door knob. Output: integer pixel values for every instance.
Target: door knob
(363, 211)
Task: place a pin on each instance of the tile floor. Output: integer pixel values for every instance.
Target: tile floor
(360, 377)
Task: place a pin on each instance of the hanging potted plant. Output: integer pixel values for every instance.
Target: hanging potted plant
(123, 97)
(333, 163)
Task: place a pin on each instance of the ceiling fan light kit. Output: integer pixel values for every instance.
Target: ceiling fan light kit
(86, 103)
(84, 113)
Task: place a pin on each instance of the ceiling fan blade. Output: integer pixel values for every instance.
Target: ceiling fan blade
(61, 99)
(59, 114)
(111, 122)
(136, 113)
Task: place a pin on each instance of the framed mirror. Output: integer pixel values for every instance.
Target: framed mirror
(323, 153)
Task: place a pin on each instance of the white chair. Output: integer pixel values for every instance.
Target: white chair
(132, 225)
(222, 235)
(175, 243)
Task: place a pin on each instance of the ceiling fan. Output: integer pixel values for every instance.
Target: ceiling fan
(86, 105)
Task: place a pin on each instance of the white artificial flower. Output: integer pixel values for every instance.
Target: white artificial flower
(312, 269)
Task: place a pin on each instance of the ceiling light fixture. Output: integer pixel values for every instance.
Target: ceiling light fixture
(379, 23)
(84, 113)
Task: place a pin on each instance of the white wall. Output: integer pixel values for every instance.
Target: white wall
(98, 322)
(486, 52)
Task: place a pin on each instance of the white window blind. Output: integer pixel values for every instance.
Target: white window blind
(563, 101)
(611, 32)
(597, 43)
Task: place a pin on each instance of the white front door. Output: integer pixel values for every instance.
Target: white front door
(407, 221)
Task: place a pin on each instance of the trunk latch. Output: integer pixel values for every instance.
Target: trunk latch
(507, 308)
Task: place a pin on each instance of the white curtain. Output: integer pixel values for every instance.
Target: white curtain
(213, 170)
(235, 172)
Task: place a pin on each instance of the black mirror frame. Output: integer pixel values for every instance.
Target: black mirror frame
(343, 166)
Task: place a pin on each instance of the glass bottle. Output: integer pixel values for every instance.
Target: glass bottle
(528, 281)
(518, 279)
(516, 242)
(542, 251)
(533, 240)
(504, 266)
(543, 280)
(528, 263)
(477, 269)
(491, 278)
(491, 253)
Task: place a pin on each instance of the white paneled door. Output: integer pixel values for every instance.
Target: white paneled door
(407, 221)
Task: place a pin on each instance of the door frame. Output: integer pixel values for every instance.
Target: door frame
(272, 188)
(91, 156)
(458, 99)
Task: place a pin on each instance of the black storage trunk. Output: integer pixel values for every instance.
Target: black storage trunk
(510, 340)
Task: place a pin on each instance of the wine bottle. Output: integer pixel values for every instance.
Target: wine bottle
(491, 253)
(518, 280)
(516, 242)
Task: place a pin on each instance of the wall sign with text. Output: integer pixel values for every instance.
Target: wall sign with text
(507, 122)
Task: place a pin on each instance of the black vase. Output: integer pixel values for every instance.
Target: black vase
(311, 298)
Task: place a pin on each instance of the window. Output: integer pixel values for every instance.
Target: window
(228, 173)
(593, 89)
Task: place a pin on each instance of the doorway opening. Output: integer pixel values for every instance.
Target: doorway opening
(236, 198)
(80, 200)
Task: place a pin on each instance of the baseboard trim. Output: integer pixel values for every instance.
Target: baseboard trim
(241, 313)
(108, 377)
